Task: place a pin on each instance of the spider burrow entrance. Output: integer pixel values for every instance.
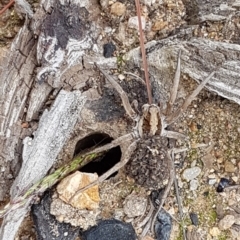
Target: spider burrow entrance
(101, 166)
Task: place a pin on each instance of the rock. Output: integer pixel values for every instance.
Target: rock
(134, 205)
(159, 25)
(226, 222)
(88, 199)
(46, 225)
(229, 167)
(194, 218)
(133, 22)
(121, 77)
(108, 50)
(191, 173)
(163, 225)
(118, 9)
(212, 181)
(194, 184)
(110, 230)
(104, 3)
(214, 231)
(224, 182)
(68, 214)
(148, 2)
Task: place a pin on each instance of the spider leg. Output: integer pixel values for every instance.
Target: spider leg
(174, 89)
(124, 159)
(174, 116)
(127, 106)
(174, 135)
(166, 191)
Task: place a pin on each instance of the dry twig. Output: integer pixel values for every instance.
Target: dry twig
(145, 65)
(7, 6)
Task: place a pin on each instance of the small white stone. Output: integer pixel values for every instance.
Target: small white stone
(134, 205)
(148, 2)
(171, 211)
(191, 173)
(133, 22)
(235, 179)
(212, 176)
(194, 184)
(121, 77)
(212, 181)
(214, 231)
(193, 164)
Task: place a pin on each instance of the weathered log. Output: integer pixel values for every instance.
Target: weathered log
(203, 10)
(199, 58)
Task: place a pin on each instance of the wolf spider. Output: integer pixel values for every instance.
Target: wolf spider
(153, 121)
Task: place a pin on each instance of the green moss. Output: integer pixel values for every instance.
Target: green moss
(212, 216)
(120, 62)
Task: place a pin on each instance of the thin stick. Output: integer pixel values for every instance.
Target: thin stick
(167, 190)
(145, 65)
(7, 6)
(178, 199)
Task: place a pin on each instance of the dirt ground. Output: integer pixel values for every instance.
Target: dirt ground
(211, 122)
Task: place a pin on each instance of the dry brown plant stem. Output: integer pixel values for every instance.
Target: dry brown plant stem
(7, 6)
(144, 59)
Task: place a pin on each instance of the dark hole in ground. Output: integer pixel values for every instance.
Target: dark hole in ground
(101, 166)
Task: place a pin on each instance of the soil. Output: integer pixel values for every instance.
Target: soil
(211, 123)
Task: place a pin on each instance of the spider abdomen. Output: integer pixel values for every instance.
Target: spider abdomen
(149, 166)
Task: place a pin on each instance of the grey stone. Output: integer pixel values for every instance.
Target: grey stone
(191, 173)
(226, 222)
(194, 184)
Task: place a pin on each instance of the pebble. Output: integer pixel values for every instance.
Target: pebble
(134, 205)
(89, 199)
(108, 50)
(194, 184)
(214, 231)
(118, 9)
(191, 173)
(226, 222)
(193, 164)
(229, 167)
(148, 2)
(133, 22)
(159, 25)
(194, 218)
(235, 179)
(224, 182)
(212, 181)
(121, 77)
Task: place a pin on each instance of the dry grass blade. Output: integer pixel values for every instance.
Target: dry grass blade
(144, 59)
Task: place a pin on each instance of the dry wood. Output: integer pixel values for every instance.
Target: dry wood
(40, 153)
(212, 55)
